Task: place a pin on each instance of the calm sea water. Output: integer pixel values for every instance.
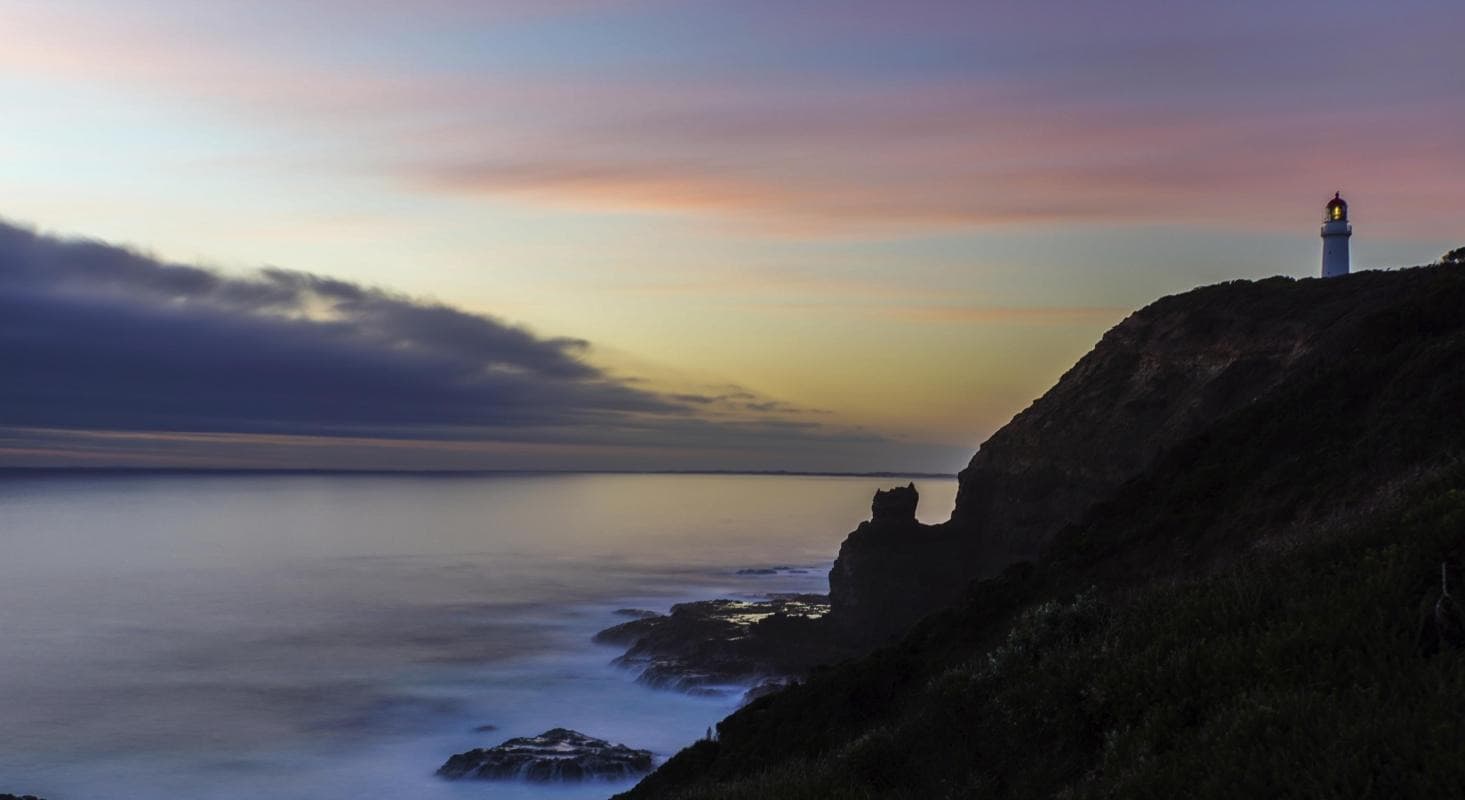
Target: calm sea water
(334, 637)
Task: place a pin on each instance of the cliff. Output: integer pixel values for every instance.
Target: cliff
(1212, 561)
(1150, 386)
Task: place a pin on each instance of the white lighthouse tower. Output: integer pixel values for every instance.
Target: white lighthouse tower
(1336, 231)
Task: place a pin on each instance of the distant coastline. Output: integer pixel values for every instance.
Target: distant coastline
(450, 473)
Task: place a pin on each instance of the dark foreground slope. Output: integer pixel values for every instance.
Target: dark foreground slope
(1245, 616)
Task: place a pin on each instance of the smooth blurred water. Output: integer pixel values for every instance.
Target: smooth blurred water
(339, 636)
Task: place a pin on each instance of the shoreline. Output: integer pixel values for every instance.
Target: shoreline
(693, 678)
(415, 703)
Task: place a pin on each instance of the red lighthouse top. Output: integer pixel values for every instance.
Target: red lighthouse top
(1337, 209)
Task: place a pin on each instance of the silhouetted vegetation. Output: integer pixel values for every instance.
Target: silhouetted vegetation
(1294, 674)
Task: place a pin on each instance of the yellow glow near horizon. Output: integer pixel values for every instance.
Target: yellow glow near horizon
(873, 230)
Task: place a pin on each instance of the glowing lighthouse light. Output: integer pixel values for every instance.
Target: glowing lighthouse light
(1336, 231)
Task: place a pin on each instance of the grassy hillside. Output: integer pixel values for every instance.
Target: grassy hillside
(1240, 620)
(1297, 673)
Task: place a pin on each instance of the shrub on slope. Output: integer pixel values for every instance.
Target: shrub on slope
(1298, 674)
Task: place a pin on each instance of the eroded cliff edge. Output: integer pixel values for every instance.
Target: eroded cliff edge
(1152, 384)
(1255, 611)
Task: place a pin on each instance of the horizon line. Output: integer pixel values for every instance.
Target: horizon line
(130, 470)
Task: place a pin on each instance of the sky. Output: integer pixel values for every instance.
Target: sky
(657, 234)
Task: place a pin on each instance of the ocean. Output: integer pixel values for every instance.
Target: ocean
(335, 636)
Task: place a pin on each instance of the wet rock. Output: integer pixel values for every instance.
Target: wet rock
(635, 613)
(627, 633)
(703, 647)
(767, 687)
(558, 755)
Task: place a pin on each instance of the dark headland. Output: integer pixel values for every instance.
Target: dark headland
(1221, 557)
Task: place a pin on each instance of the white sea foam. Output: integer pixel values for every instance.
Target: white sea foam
(334, 637)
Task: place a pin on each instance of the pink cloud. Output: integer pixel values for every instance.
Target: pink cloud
(1070, 132)
(854, 171)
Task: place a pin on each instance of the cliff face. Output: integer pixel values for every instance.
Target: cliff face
(1155, 379)
(1154, 382)
(1241, 504)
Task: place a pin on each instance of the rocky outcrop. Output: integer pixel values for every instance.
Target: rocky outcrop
(1151, 386)
(558, 755)
(895, 505)
(892, 569)
(712, 646)
(767, 687)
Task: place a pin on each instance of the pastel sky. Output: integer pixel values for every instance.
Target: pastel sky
(842, 235)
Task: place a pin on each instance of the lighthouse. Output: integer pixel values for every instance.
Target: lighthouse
(1336, 231)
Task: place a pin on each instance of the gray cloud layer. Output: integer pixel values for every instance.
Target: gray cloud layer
(95, 337)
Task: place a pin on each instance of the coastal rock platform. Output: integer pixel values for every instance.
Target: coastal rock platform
(707, 646)
(557, 755)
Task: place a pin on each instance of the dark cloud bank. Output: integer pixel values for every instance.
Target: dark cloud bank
(99, 338)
